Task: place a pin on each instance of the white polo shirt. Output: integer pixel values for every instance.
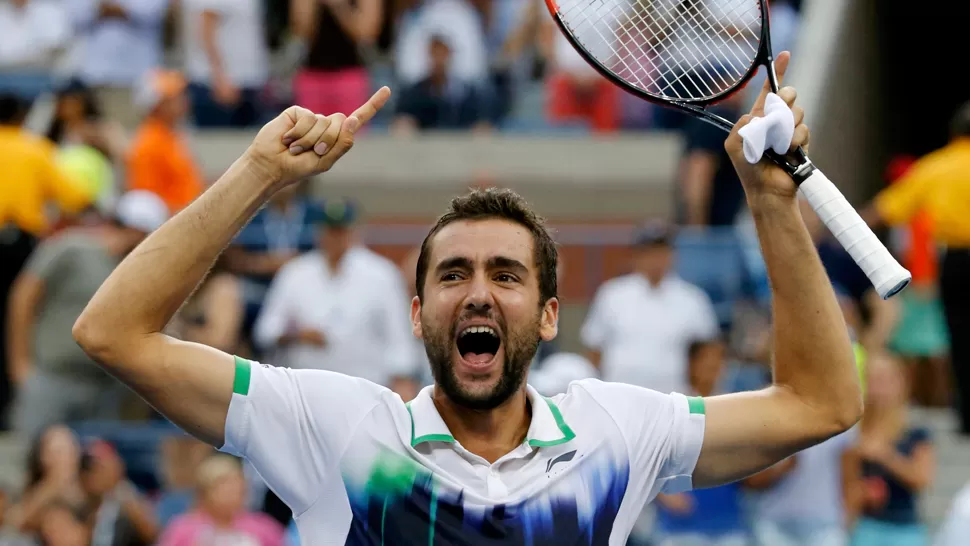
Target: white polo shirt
(359, 466)
(644, 332)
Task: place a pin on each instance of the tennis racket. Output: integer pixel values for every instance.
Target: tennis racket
(691, 54)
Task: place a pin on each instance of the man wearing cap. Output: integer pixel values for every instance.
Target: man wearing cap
(159, 159)
(640, 326)
(55, 380)
(342, 308)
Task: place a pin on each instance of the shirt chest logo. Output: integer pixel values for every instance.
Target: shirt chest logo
(564, 458)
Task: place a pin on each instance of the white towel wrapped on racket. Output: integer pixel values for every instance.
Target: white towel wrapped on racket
(774, 131)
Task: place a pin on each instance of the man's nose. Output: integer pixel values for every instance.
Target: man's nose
(479, 294)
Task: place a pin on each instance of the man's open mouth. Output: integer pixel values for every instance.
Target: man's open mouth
(478, 345)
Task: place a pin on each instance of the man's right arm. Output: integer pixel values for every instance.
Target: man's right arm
(122, 325)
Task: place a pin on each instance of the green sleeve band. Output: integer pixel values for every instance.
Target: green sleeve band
(244, 370)
(696, 405)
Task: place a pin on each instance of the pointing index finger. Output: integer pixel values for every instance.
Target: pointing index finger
(370, 108)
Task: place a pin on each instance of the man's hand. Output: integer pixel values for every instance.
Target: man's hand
(224, 92)
(19, 371)
(299, 144)
(765, 177)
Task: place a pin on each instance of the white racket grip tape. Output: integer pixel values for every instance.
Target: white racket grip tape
(884, 272)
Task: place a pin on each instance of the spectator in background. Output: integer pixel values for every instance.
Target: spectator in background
(809, 499)
(33, 33)
(53, 465)
(575, 92)
(220, 516)
(343, 308)
(703, 517)
(119, 42)
(710, 191)
(116, 512)
(181, 456)
(558, 371)
(938, 185)
(227, 61)
(32, 180)
(464, 31)
(898, 461)
(334, 76)
(160, 159)
(63, 524)
(640, 326)
(80, 121)
(279, 232)
(439, 101)
(920, 335)
(56, 380)
(213, 315)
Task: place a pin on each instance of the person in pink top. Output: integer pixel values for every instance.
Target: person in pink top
(220, 517)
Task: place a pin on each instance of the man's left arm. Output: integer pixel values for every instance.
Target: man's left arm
(815, 390)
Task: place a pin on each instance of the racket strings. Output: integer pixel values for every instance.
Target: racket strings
(672, 49)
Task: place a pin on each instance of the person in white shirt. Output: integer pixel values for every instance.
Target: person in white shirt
(31, 33)
(117, 43)
(640, 326)
(479, 457)
(342, 308)
(462, 27)
(227, 60)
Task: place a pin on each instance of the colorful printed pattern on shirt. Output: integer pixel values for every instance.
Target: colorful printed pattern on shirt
(400, 503)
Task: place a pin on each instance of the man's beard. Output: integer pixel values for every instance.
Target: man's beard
(519, 347)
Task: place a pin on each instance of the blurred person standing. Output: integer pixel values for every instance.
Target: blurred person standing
(119, 42)
(116, 512)
(703, 517)
(79, 120)
(640, 326)
(33, 33)
(938, 185)
(31, 181)
(220, 516)
(56, 380)
(898, 461)
(710, 193)
(331, 34)
(227, 61)
(439, 101)
(160, 158)
(342, 308)
(280, 231)
(463, 29)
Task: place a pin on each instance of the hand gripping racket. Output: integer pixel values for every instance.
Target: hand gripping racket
(690, 54)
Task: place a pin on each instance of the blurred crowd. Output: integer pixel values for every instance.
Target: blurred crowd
(94, 99)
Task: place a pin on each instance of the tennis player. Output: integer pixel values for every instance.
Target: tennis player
(480, 457)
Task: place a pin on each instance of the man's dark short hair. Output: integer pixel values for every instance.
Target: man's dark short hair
(499, 204)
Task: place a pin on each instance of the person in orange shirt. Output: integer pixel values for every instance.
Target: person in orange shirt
(159, 159)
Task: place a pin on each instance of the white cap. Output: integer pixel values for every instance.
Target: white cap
(141, 210)
(558, 371)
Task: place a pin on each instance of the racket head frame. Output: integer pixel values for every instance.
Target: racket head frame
(796, 164)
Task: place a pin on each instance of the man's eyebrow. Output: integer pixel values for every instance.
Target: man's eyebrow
(503, 262)
(454, 262)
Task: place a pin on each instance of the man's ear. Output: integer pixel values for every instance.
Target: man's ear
(416, 318)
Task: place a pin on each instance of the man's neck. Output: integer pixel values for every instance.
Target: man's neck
(490, 434)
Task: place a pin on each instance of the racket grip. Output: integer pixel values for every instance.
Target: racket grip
(884, 272)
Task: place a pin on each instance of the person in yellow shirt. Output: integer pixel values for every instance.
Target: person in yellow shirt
(30, 180)
(938, 186)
